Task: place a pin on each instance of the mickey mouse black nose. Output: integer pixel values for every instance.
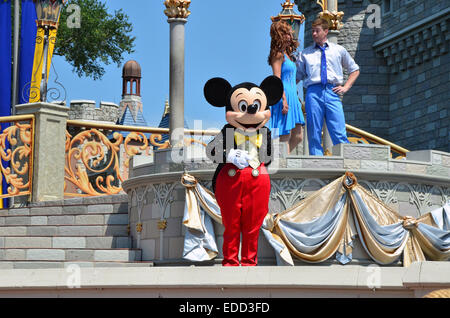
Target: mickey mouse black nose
(252, 109)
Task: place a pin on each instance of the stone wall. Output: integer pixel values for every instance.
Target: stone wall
(414, 43)
(401, 93)
(86, 110)
(406, 12)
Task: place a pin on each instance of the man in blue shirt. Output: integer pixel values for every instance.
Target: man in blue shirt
(320, 66)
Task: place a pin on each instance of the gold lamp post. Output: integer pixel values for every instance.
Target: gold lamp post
(48, 12)
(288, 15)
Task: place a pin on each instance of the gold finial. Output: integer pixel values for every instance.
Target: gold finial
(334, 19)
(166, 108)
(177, 8)
(288, 5)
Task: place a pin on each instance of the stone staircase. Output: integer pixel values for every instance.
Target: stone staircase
(89, 232)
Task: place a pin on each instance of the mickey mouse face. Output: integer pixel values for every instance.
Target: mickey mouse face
(247, 105)
(249, 109)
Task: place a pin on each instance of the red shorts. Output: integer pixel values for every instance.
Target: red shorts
(243, 199)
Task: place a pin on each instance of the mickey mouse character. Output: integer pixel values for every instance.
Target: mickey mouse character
(243, 150)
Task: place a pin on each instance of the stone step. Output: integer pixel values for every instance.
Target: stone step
(67, 210)
(70, 255)
(66, 219)
(46, 242)
(64, 230)
(68, 265)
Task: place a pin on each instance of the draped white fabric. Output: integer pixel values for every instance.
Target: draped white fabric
(199, 243)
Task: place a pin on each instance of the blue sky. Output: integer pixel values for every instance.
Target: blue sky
(228, 38)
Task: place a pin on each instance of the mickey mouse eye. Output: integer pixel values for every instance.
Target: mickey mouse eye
(243, 106)
(257, 104)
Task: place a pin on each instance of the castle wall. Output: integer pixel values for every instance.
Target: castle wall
(401, 93)
(87, 110)
(414, 42)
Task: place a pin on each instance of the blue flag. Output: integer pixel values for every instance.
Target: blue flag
(27, 44)
(5, 57)
(5, 68)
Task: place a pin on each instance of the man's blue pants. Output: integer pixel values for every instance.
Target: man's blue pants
(321, 102)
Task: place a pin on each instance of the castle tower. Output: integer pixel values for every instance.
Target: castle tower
(130, 109)
(131, 75)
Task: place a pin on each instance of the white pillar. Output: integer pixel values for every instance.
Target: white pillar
(49, 149)
(176, 95)
(177, 11)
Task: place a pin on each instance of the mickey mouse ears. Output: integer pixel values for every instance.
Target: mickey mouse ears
(216, 91)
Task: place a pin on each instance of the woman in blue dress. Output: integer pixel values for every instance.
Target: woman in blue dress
(287, 119)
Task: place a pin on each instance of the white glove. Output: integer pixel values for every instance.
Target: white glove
(239, 158)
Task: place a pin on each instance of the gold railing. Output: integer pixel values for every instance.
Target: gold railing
(98, 155)
(16, 152)
(365, 137)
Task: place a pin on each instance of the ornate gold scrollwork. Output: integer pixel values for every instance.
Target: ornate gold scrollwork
(357, 140)
(92, 160)
(156, 138)
(334, 19)
(177, 8)
(17, 137)
(162, 225)
(85, 153)
(134, 150)
(323, 4)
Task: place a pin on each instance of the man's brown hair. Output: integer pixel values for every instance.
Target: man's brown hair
(321, 22)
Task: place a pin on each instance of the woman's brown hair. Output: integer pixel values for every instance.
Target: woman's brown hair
(278, 44)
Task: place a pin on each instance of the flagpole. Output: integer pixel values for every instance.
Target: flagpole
(16, 56)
